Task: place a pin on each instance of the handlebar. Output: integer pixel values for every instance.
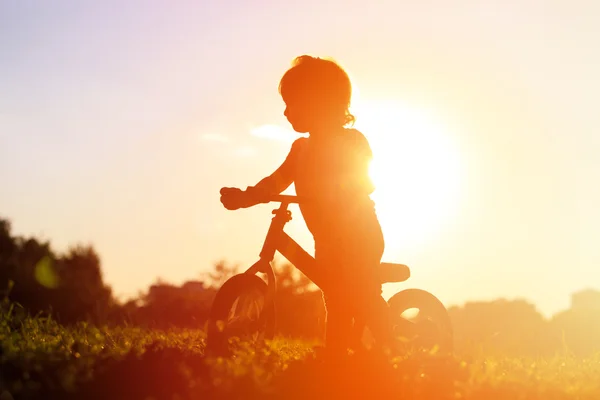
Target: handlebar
(284, 198)
(261, 197)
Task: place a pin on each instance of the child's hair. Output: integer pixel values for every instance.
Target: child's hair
(323, 79)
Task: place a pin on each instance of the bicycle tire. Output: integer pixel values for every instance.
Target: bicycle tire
(218, 336)
(439, 331)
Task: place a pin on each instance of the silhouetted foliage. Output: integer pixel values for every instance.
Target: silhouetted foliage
(220, 273)
(578, 328)
(70, 287)
(166, 306)
(515, 328)
(300, 311)
(500, 326)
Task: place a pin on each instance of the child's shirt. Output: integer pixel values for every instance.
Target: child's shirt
(333, 172)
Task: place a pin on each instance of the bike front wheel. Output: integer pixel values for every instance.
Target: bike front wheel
(421, 322)
(240, 310)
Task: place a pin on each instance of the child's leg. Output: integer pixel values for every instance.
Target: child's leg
(363, 290)
(374, 310)
(349, 260)
(338, 325)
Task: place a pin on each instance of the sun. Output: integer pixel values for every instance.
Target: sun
(416, 169)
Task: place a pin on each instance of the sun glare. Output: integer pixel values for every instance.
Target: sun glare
(416, 169)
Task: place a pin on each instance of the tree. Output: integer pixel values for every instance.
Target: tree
(70, 286)
(166, 305)
(82, 293)
(220, 274)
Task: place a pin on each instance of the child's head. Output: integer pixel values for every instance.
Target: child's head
(317, 94)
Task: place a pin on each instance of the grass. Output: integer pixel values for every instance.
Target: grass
(42, 359)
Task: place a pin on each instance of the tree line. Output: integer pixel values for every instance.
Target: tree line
(70, 288)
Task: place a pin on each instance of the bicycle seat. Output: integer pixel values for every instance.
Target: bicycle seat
(391, 272)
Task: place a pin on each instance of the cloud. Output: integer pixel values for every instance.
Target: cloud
(274, 132)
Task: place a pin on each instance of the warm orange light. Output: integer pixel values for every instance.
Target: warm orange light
(416, 169)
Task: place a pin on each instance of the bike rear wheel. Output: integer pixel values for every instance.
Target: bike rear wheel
(428, 329)
(240, 310)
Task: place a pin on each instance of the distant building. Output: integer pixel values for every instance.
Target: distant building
(586, 300)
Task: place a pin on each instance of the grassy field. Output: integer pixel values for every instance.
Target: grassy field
(41, 359)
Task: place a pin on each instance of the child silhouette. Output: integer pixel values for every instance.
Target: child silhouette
(331, 168)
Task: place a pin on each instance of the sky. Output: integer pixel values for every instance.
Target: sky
(120, 121)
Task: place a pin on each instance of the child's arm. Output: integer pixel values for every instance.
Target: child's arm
(283, 176)
(275, 183)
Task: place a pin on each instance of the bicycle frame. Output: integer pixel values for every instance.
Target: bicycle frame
(278, 240)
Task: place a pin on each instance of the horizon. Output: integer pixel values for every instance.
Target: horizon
(119, 124)
(279, 261)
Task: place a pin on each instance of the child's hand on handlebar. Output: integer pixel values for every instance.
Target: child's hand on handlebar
(233, 198)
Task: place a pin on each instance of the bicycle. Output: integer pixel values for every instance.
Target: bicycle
(244, 306)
